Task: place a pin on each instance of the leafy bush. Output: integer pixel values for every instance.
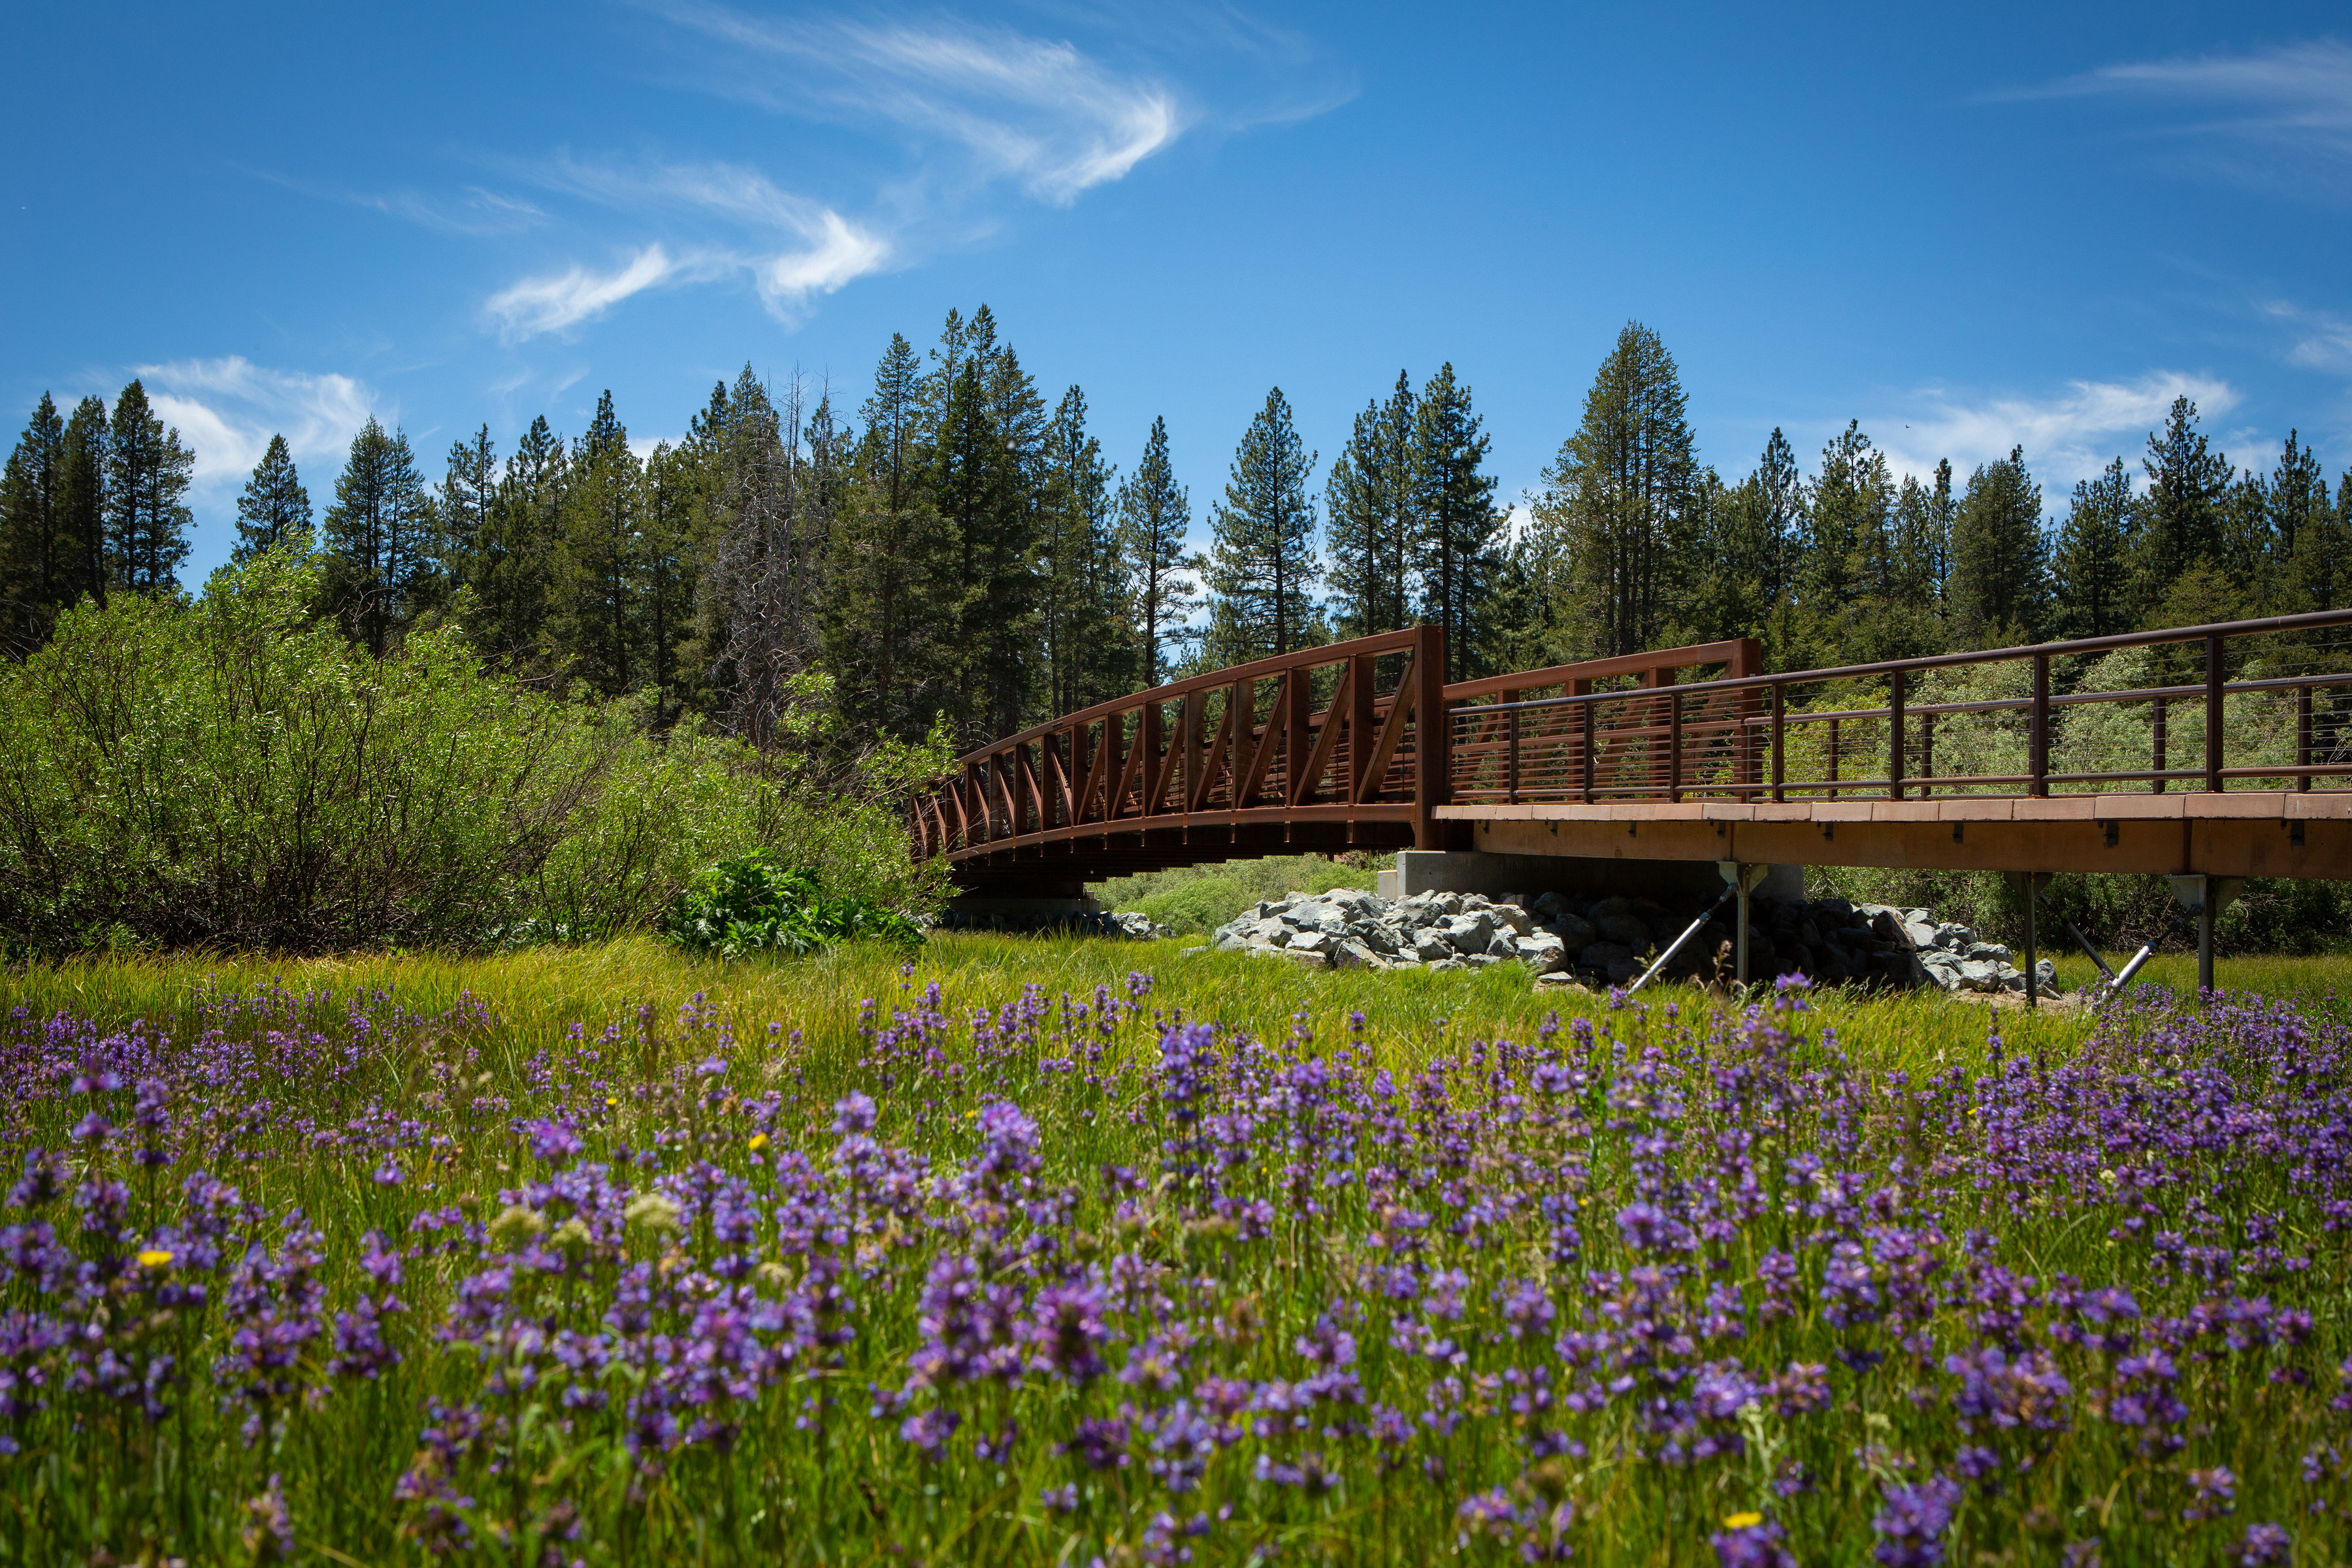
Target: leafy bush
(749, 904)
(228, 772)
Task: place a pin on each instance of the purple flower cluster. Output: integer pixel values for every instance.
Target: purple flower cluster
(1191, 1291)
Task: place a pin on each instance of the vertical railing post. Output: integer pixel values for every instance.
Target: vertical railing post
(2302, 737)
(1432, 736)
(2213, 780)
(1926, 754)
(1588, 733)
(1894, 736)
(1511, 760)
(2038, 736)
(1237, 757)
(1673, 745)
(2160, 748)
(1156, 758)
(1834, 759)
(1298, 726)
(1363, 726)
(1779, 746)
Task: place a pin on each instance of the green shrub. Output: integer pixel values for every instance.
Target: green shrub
(1194, 899)
(228, 772)
(749, 904)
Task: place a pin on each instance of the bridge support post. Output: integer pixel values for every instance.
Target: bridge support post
(1745, 879)
(2206, 898)
(2030, 883)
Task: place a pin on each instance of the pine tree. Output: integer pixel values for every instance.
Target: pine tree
(2297, 500)
(2248, 555)
(2091, 571)
(81, 497)
(1372, 500)
(1614, 515)
(2320, 572)
(275, 510)
(1091, 652)
(37, 571)
(2000, 567)
(669, 556)
(2181, 512)
(147, 518)
(379, 539)
(894, 603)
(470, 490)
(1261, 564)
(1155, 513)
(594, 622)
(1455, 549)
(510, 566)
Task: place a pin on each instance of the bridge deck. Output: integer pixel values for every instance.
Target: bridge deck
(2269, 833)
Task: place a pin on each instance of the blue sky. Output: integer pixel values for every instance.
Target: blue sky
(1968, 228)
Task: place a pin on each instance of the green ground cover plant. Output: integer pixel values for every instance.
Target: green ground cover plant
(1047, 1249)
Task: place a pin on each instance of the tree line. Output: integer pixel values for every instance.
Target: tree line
(957, 552)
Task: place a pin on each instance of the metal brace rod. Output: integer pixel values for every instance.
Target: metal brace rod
(1675, 946)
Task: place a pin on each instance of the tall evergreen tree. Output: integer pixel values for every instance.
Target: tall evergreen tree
(81, 496)
(1372, 510)
(2091, 575)
(1260, 567)
(2320, 571)
(596, 588)
(2187, 485)
(2000, 565)
(38, 571)
(669, 556)
(1091, 652)
(274, 511)
(469, 489)
(510, 565)
(379, 538)
(895, 601)
(2296, 501)
(149, 469)
(1457, 551)
(1615, 513)
(1155, 513)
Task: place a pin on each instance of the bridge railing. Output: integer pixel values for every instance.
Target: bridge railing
(2260, 703)
(1339, 735)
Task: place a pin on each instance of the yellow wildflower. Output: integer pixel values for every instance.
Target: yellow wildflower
(154, 1258)
(611, 1100)
(759, 1142)
(1742, 1520)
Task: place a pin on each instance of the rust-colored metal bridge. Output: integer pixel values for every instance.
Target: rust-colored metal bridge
(2220, 750)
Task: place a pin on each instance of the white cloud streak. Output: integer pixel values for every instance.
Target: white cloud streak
(2067, 436)
(228, 408)
(2297, 96)
(2323, 340)
(1032, 111)
(537, 305)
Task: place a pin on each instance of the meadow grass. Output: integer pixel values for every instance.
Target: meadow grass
(608, 1254)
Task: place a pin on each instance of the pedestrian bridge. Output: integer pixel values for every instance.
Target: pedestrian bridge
(2216, 751)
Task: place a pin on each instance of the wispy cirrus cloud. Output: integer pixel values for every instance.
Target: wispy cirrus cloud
(2067, 435)
(2292, 100)
(227, 409)
(1036, 112)
(821, 250)
(2319, 340)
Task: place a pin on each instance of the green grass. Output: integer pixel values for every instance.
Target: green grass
(538, 993)
(1191, 900)
(96, 1479)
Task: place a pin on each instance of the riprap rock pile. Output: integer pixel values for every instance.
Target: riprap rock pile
(1610, 941)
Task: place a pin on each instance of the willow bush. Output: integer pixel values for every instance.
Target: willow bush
(225, 772)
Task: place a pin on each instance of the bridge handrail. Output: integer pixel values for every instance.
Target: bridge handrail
(2312, 620)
